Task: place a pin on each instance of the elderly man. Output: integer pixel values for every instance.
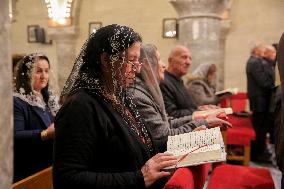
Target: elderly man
(178, 102)
(260, 82)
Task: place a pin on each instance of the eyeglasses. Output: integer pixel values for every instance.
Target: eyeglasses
(135, 64)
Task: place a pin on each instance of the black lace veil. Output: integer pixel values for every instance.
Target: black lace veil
(87, 73)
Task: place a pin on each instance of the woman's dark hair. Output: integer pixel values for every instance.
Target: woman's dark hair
(111, 39)
(16, 58)
(23, 77)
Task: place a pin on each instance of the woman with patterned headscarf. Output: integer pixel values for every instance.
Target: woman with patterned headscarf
(100, 140)
(34, 109)
(202, 85)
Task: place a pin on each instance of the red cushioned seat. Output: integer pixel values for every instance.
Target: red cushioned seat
(242, 132)
(240, 121)
(240, 177)
(192, 177)
(182, 178)
(238, 102)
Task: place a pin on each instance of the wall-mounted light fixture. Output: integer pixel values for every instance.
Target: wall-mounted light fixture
(170, 28)
(59, 12)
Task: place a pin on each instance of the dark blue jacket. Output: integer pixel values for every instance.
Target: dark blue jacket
(31, 154)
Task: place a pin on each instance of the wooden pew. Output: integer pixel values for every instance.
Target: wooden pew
(40, 180)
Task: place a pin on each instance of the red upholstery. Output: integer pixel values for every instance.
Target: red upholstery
(242, 132)
(192, 177)
(238, 102)
(225, 103)
(181, 179)
(240, 177)
(200, 173)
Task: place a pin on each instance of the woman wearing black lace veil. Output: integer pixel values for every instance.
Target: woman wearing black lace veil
(100, 141)
(34, 109)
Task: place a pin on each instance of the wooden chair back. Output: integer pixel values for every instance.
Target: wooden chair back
(39, 180)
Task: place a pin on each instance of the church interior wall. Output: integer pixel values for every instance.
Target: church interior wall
(251, 20)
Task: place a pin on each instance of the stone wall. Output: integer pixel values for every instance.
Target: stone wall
(6, 116)
(250, 20)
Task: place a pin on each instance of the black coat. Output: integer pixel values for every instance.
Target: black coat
(279, 138)
(94, 148)
(178, 102)
(31, 154)
(260, 82)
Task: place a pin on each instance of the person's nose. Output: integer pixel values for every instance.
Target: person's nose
(44, 75)
(188, 62)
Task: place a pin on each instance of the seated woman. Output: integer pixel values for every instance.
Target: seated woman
(34, 109)
(100, 140)
(202, 85)
(150, 104)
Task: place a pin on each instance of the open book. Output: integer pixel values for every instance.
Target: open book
(219, 112)
(229, 91)
(198, 147)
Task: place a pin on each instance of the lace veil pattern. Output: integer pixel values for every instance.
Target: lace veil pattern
(149, 75)
(23, 84)
(87, 73)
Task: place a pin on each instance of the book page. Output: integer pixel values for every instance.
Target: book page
(197, 147)
(232, 91)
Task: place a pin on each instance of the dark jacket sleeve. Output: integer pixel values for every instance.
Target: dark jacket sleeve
(279, 138)
(170, 104)
(79, 128)
(21, 117)
(160, 129)
(262, 74)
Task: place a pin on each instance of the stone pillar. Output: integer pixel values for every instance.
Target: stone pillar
(6, 103)
(200, 31)
(64, 38)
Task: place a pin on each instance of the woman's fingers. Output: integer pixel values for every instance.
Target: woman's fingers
(202, 127)
(163, 174)
(152, 169)
(165, 164)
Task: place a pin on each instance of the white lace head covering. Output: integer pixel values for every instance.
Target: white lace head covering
(87, 73)
(149, 75)
(23, 88)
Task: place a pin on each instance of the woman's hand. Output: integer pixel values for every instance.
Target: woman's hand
(152, 169)
(217, 122)
(48, 133)
(208, 107)
(202, 127)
